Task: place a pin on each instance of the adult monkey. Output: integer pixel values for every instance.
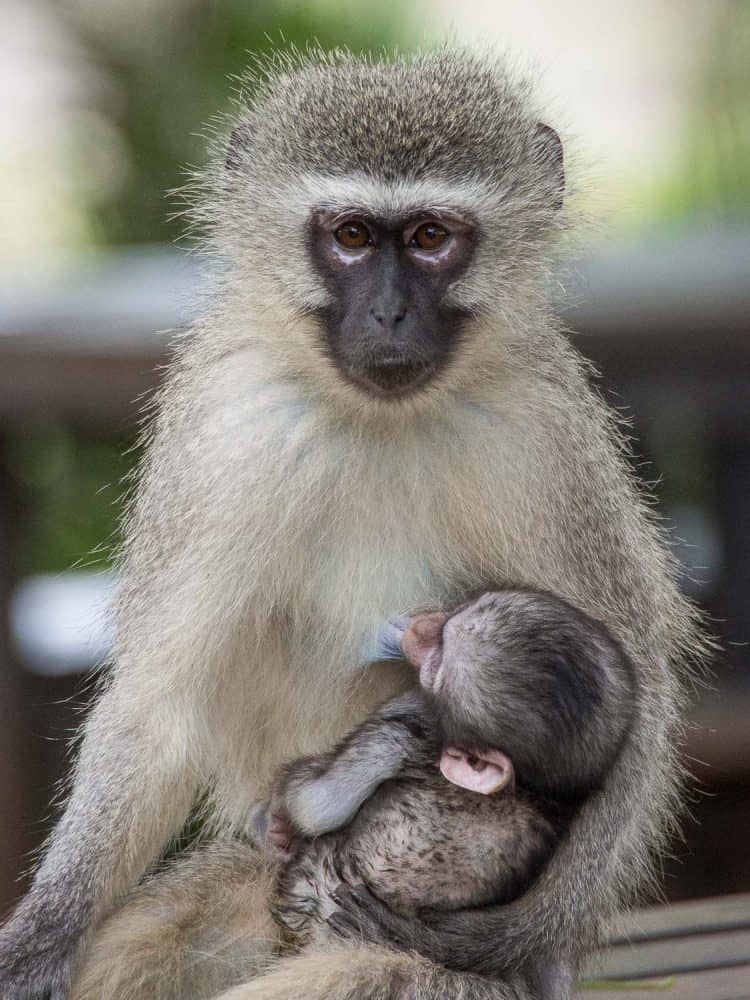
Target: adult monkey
(377, 413)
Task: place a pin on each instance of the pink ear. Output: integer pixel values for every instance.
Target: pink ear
(484, 773)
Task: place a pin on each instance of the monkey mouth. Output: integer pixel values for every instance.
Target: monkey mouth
(393, 376)
(423, 646)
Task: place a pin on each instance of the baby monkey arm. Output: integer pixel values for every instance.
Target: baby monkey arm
(323, 793)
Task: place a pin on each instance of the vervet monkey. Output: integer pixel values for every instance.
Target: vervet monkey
(376, 413)
(513, 675)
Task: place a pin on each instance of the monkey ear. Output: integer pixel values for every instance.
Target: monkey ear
(548, 152)
(238, 147)
(486, 773)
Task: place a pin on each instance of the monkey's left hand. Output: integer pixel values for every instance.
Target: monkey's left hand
(361, 914)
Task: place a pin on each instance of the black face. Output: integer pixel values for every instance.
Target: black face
(389, 328)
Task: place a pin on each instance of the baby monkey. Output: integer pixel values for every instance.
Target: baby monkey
(523, 705)
(451, 796)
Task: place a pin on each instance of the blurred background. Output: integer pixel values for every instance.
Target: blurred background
(101, 109)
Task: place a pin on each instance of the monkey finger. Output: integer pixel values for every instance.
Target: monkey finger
(373, 919)
(344, 924)
(348, 925)
(359, 913)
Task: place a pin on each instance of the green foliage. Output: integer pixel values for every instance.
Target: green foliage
(712, 178)
(69, 493)
(168, 76)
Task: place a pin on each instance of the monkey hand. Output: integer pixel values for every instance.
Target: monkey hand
(36, 953)
(360, 914)
(282, 837)
(275, 831)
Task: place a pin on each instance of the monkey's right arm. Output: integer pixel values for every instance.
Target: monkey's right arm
(149, 742)
(130, 795)
(323, 793)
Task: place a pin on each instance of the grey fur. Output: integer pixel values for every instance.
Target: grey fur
(417, 841)
(529, 674)
(432, 115)
(280, 514)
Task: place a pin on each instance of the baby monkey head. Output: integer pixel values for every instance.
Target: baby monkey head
(383, 209)
(523, 684)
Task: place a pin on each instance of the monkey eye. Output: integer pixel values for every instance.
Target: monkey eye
(429, 236)
(353, 235)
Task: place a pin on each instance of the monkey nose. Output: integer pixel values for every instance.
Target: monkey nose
(423, 637)
(389, 316)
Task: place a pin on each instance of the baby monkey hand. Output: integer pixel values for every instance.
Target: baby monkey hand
(275, 831)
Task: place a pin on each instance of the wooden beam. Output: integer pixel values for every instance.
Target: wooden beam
(16, 745)
(714, 984)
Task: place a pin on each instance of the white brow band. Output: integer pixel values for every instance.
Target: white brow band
(380, 197)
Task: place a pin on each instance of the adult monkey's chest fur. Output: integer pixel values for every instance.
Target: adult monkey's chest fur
(407, 526)
(359, 560)
(369, 565)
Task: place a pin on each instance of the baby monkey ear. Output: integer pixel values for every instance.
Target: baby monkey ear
(238, 146)
(486, 773)
(548, 151)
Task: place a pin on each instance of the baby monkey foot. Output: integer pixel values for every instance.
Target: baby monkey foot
(281, 837)
(273, 829)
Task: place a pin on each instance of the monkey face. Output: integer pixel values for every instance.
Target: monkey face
(388, 228)
(499, 650)
(390, 325)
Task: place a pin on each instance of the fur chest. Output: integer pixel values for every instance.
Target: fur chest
(394, 529)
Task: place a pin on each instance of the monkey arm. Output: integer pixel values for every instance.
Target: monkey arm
(363, 916)
(572, 899)
(323, 793)
(100, 846)
(147, 742)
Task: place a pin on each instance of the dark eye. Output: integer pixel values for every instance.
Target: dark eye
(429, 236)
(353, 235)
